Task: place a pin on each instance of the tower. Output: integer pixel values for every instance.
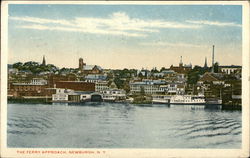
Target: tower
(181, 64)
(213, 59)
(81, 64)
(44, 62)
(205, 65)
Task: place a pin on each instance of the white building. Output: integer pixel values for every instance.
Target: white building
(101, 86)
(68, 95)
(148, 86)
(61, 95)
(38, 81)
(175, 88)
(230, 69)
(113, 94)
(93, 78)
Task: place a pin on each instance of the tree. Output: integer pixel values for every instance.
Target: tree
(17, 65)
(140, 75)
(35, 67)
(154, 70)
(119, 83)
(162, 69)
(216, 67)
(194, 74)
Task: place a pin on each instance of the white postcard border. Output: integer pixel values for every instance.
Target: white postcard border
(243, 152)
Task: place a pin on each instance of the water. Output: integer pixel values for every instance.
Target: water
(111, 125)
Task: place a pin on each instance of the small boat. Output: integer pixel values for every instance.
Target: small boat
(213, 101)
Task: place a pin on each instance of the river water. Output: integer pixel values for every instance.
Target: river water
(113, 125)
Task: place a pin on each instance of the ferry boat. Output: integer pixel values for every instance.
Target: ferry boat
(161, 99)
(180, 99)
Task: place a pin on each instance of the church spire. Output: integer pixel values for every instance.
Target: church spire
(44, 62)
(205, 65)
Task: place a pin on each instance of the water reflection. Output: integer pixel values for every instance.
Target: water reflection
(112, 125)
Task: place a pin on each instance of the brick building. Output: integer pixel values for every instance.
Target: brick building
(184, 69)
(76, 85)
(52, 79)
(18, 90)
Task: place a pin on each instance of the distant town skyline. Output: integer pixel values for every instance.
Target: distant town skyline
(125, 36)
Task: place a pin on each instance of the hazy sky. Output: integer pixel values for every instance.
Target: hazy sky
(125, 36)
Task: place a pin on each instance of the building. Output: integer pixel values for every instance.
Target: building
(93, 78)
(92, 69)
(175, 88)
(52, 79)
(35, 87)
(101, 86)
(81, 64)
(233, 69)
(69, 95)
(61, 95)
(19, 90)
(184, 69)
(76, 85)
(38, 81)
(89, 69)
(158, 74)
(113, 94)
(143, 73)
(211, 78)
(147, 86)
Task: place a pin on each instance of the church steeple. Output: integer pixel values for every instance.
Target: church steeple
(205, 65)
(44, 62)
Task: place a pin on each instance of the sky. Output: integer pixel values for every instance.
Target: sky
(124, 36)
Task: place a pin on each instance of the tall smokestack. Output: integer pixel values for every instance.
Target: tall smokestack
(213, 60)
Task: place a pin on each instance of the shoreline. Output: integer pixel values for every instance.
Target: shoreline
(46, 101)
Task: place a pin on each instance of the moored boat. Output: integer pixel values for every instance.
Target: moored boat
(180, 99)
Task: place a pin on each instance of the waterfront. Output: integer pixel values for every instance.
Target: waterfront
(113, 125)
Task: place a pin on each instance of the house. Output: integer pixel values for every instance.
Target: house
(92, 69)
